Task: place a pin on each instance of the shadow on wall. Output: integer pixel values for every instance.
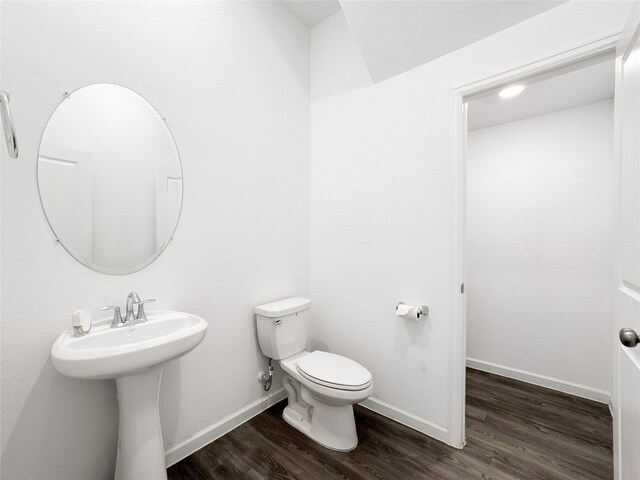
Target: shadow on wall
(412, 340)
(411, 334)
(279, 28)
(318, 345)
(72, 408)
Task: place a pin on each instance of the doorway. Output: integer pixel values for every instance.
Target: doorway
(539, 229)
(540, 170)
(532, 77)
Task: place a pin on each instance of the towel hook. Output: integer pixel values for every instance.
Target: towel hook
(7, 123)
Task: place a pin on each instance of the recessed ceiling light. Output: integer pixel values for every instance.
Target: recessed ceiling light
(511, 91)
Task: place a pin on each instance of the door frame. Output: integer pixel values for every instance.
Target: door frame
(565, 58)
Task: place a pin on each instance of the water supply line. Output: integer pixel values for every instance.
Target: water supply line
(7, 124)
(268, 378)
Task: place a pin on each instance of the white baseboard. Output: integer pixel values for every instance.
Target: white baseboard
(218, 429)
(543, 381)
(406, 418)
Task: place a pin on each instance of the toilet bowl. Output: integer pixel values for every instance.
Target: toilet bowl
(322, 408)
(321, 387)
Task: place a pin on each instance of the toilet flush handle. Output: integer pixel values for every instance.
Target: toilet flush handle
(277, 322)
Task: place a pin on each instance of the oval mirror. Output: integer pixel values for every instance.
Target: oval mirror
(110, 178)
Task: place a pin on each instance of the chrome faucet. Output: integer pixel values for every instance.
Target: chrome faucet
(117, 317)
(129, 317)
(132, 299)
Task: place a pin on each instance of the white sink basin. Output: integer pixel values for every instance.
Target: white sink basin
(115, 352)
(134, 356)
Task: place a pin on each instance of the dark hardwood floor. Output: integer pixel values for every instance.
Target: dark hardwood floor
(514, 431)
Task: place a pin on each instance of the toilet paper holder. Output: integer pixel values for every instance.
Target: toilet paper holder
(423, 311)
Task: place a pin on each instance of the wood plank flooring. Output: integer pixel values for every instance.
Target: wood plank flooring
(514, 431)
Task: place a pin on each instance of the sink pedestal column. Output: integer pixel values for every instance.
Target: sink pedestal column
(140, 448)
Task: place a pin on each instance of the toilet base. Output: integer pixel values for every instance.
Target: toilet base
(322, 413)
(330, 426)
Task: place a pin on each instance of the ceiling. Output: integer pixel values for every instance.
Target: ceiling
(396, 36)
(571, 87)
(312, 12)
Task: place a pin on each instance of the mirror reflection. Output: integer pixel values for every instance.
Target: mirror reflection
(110, 178)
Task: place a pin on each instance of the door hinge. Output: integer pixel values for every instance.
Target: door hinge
(462, 288)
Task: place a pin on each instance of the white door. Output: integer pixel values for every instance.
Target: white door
(627, 288)
(64, 180)
(168, 203)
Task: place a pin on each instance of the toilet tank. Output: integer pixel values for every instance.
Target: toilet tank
(283, 326)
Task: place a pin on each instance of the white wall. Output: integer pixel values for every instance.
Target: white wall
(381, 208)
(539, 248)
(232, 80)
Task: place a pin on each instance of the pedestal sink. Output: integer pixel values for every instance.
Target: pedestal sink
(133, 356)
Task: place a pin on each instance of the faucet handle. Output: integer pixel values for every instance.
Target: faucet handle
(141, 315)
(117, 316)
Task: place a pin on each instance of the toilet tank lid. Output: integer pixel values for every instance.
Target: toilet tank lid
(284, 307)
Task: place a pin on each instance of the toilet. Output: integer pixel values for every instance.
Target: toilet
(321, 387)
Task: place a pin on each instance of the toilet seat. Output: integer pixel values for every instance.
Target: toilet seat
(334, 371)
